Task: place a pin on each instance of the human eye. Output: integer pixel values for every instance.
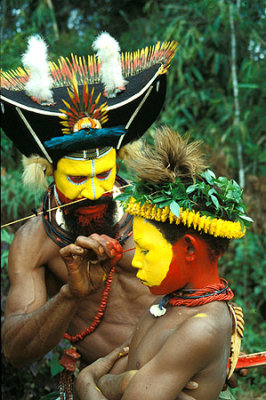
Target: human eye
(104, 175)
(144, 252)
(77, 180)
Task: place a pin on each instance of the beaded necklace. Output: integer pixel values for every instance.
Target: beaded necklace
(98, 317)
(194, 297)
(62, 238)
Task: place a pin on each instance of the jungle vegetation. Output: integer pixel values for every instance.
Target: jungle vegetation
(216, 93)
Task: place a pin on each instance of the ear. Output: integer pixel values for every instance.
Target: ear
(191, 247)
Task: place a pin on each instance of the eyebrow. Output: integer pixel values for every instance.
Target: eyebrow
(138, 242)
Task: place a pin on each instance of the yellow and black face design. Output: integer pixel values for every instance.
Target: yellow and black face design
(86, 178)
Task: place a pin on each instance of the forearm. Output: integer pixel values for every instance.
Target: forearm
(28, 337)
(114, 386)
(109, 386)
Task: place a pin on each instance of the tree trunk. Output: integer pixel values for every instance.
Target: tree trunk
(55, 26)
(236, 99)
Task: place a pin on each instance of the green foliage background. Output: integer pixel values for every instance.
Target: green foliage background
(200, 101)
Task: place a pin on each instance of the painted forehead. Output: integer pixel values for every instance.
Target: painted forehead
(70, 164)
(145, 233)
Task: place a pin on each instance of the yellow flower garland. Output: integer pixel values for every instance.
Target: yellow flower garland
(212, 226)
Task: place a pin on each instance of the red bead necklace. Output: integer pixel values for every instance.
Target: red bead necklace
(97, 319)
(70, 357)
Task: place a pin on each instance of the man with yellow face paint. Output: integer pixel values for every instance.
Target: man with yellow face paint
(70, 268)
(192, 329)
(77, 178)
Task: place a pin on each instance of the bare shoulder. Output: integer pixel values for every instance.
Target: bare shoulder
(207, 327)
(31, 245)
(30, 228)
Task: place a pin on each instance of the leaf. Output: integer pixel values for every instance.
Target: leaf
(248, 85)
(122, 197)
(158, 199)
(212, 191)
(209, 176)
(246, 218)
(192, 188)
(174, 207)
(215, 202)
(165, 203)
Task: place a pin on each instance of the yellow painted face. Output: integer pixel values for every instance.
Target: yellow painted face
(86, 178)
(153, 253)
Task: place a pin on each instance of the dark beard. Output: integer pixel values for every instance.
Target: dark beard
(102, 224)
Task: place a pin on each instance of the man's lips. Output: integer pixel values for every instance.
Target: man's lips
(90, 210)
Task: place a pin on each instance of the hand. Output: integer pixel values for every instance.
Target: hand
(85, 262)
(87, 385)
(191, 385)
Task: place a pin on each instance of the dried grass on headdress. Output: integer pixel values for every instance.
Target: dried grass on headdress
(171, 157)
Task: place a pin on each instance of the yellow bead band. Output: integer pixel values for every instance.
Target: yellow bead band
(212, 226)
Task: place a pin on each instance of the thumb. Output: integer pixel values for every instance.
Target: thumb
(103, 365)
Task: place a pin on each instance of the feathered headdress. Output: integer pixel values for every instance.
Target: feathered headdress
(174, 185)
(107, 99)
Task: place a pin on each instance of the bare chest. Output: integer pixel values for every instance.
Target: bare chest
(126, 302)
(151, 333)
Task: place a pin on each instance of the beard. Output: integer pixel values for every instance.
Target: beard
(101, 222)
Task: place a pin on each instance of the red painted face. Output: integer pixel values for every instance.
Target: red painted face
(178, 273)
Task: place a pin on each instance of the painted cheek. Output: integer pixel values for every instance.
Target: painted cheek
(70, 190)
(176, 277)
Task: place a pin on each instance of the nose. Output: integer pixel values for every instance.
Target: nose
(136, 263)
(92, 190)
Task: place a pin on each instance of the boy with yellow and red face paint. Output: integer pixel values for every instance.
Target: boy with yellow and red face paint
(183, 219)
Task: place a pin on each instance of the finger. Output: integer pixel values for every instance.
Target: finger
(116, 245)
(192, 385)
(85, 387)
(112, 247)
(103, 365)
(184, 396)
(70, 251)
(90, 243)
(102, 245)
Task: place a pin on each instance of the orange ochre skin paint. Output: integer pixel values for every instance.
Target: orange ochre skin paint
(165, 268)
(189, 269)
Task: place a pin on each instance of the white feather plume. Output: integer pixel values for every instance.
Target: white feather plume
(35, 59)
(108, 51)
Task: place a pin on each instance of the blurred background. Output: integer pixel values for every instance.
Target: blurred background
(216, 93)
